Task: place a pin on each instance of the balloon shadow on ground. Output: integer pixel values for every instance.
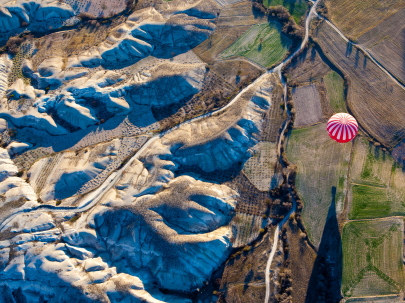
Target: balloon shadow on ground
(326, 277)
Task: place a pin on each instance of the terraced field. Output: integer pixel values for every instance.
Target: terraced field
(297, 8)
(247, 228)
(377, 183)
(372, 258)
(355, 17)
(374, 99)
(334, 86)
(260, 169)
(322, 173)
(262, 43)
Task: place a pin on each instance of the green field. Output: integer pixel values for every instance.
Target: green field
(335, 86)
(377, 183)
(322, 169)
(372, 258)
(262, 43)
(297, 8)
(369, 202)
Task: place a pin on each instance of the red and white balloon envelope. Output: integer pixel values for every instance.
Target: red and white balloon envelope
(342, 127)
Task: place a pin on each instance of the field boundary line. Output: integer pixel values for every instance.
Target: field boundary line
(375, 219)
(368, 185)
(375, 61)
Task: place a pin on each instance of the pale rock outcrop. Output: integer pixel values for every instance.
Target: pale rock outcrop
(54, 275)
(33, 222)
(187, 213)
(5, 67)
(13, 13)
(3, 125)
(204, 9)
(74, 113)
(7, 166)
(128, 43)
(33, 118)
(168, 83)
(50, 73)
(14, 188)
(18, 90)
(15, 148)
(73, 170)
(50, 67)
(135, 39)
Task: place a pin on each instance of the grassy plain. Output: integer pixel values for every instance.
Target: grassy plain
(322, 170)
(375, 100)
(372, 257)
(334, 86)
(355, 17)
(232, 22)
(297, 8)
(377, 183)
(262, 43)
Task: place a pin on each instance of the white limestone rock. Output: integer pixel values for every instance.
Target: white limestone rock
(33, 118)
(75, 114)
(18, 90)
(80, 253)
(33, 222)
(14, 188)
(74, 170)
(13, 13)
(3, 125)
(5, 67)
(15, 148)
(7, 166)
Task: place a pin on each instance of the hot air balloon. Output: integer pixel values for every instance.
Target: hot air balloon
(342, 127)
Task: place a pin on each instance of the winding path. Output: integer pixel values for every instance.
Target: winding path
(92, 198)
(312, 13)
(365, 51)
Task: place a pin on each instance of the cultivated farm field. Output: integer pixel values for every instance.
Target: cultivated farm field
(373, 98)
(335, 86)
(307, 104)
(307, 67)
(386, 42)
(384, 299)
(322, 172)
(355, 17)
(232, 22)
(262, 43)
(297, 8)
(377, 183)
(260, 168)
(372, 258)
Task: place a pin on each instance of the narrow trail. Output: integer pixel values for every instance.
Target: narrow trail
(312, 13)
(375, 61)
(92, 198)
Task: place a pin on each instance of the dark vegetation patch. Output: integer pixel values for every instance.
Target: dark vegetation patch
(215, 94)
(72, 42)
(289, 27)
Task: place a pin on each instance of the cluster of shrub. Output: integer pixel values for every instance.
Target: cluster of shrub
(322, 10)
(282, 15)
